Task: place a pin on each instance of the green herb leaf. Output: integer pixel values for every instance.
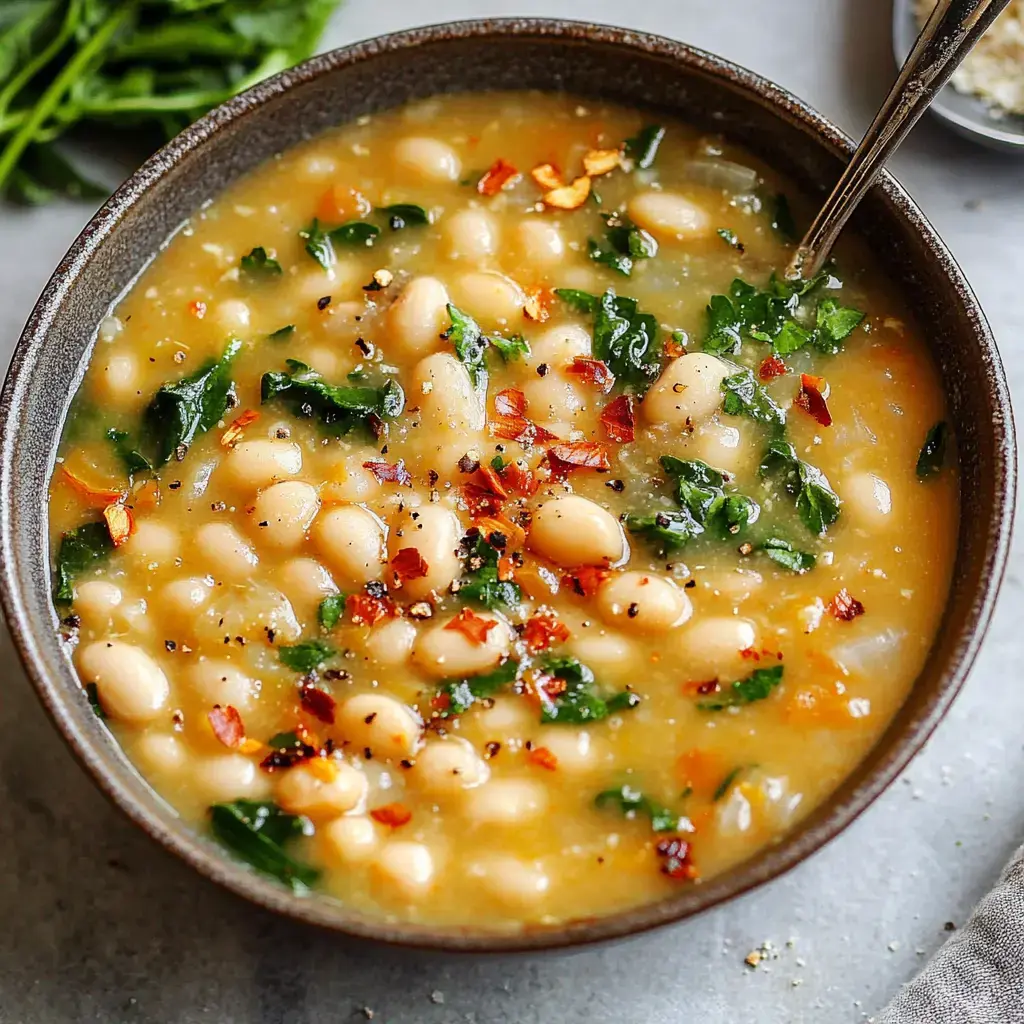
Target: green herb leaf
(728, 236)
(282, 333)
(356, 232)
(632, 803)
(80, 550)
(404, 215)
(817, 504)
(624, 244)
(306, 656)
(256, 831)
(181, 411)
(134, 461)
(284, 740)
(480, 583)
(582, 302)
(757, 686)
(834, 323)
(92, 694)
(786, 555)
(791, 338)
(331, 610)
(336, 406)
(45, 174)
(462, 694)
(933, 451)
(318, 244)
(511, 348)
(624, 339)
(258, 266)
(469, 343)
(578, 704)
(668, 529)
(642, 148)
(744, 396)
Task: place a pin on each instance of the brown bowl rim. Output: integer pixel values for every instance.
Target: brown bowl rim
(214, 863)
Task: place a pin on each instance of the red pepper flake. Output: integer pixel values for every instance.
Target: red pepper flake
(811, 398)
(490, 479)
(233, 434)
(97, 496)
(619, 419)
(771, 368)
(319, 703)
(702, 687)
(498, 176)
(586, 579)
(538, 304)
(519, 480)
(543, 758)
(197, 309)
(472, 626)
(592, 371)
(676, 857)
(408, 564)
(749, 654)
(570, 455)
(393, 815)
(506, 568)
(390, 474)
(227, 725)
(368, 609)
(120, 522)
(510, 422)
(480, 501)
(501, 534)
(543, 630)
(845, 607)
(673, 348)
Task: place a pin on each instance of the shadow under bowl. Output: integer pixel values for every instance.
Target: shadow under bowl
(588, 60)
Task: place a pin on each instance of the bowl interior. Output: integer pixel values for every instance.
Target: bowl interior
(967, 115)
(586, 60)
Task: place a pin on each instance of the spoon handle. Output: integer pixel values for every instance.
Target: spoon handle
(947, 37)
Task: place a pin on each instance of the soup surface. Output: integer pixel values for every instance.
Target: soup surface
(461, 518)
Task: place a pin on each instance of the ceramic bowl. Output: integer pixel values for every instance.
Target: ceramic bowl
(588, 60)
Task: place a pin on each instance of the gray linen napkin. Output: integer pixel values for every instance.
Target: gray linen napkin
(977, 977)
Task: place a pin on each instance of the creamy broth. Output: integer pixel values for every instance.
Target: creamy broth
(527, 622)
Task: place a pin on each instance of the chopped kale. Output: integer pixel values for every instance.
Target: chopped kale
(331, 610)
(574, 702)
(511, 348)
(933, 451)
(257, 832)
(624, 244)
(338, 407)
(786, 555)
(306, 656)
(181, 411)
(744, 396)
(642, 148)
(283, 740)
(757, 686)
(816, 502)
(480, 582)
(80, 550)
(456, 696)
(258, 266)
(320, 243)
(404, 215)
(282, 333)
(469, 343)
(134, 461)
(632, 803)
(582, 302)
(834, 323)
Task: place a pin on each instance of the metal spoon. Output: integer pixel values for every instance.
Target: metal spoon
(947, 37)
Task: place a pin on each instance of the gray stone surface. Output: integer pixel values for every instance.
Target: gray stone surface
(100, 925)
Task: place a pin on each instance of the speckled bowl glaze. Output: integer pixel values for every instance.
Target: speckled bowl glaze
(589, 60)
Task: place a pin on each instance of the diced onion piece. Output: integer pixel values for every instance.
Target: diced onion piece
(723, 174)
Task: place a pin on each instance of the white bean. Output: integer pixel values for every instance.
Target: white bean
(868, 498)
(448, 653)
(96, 603)
(118, 381)
(159, 753)
(183, 598)
(321, 790)
(261, 462)
(558, 346)
(723, 446)
(224, 552)
(642, 602)
(616, 654)
(510, 880)
(131, 686)
(427, 159)
(471, 235)
(232, 315)
(669, 216)
(712, 646)
(405, 869)
(417, 318)
(506, 801)
(350, 481)
(493, 299)
(540, 242)
(448, 402)
(218, 681)
(445, 768)
(554, 400)
(688, 390)
(381, 724)
(283, 513)
(574, 531)
(349, 840)
(350, 540)
(305, 583)
(390, 643)
(577, 751)
(434, 532)
(152, 543)
(222, 777)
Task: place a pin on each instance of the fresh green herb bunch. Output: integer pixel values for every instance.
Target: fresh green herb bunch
(150, 64)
